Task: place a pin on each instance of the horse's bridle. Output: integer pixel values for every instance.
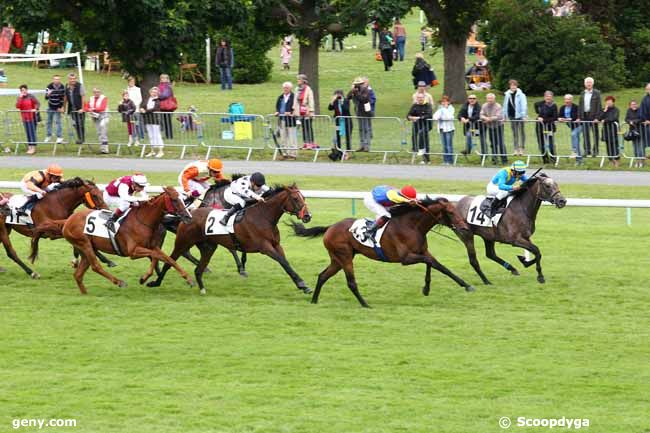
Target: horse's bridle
(303, 210)
(551, 199)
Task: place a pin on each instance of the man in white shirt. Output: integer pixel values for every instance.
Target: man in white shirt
(589, 106)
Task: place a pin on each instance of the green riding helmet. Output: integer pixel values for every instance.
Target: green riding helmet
(519, 167)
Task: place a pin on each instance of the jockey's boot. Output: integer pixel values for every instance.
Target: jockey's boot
(494, 208)
(376, 225)
(110, 222)
(233, 210)
(29, 205)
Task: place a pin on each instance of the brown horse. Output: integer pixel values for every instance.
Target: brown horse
(516, 226)
(58, 204)
(257, 232)
(135, 238)
(404, 241)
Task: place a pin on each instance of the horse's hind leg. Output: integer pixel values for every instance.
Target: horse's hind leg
(471, 254)
(348, 268)
(427, 281)
(11, 253)
(108, 262)
(490, 252)
(528, 245)
(241, 264)
(207, 250)
(81, 268)
(327, 273)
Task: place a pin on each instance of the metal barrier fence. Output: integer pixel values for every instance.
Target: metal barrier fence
(192, 132)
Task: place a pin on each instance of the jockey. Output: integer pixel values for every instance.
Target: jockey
(246, 188)
(194, 177)
(503, 184)
(120, 192)
(37, 184)
(384, 197)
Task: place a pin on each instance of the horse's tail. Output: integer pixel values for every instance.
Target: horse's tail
(304, 232)
(52, 229)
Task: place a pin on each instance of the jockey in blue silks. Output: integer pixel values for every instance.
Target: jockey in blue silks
(503, 184)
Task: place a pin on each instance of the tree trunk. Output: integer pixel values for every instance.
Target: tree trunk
(454, 52)
(149, 80)
(309, 66)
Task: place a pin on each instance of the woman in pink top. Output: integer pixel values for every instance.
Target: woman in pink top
(399, 32)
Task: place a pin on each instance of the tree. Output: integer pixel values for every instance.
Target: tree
(146, 35)
(311, 20)
(454, 20)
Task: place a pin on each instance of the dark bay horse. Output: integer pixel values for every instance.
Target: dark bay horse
(57, 204)
(135, 238)
(516, 226)
(404, 241)
(257, 232)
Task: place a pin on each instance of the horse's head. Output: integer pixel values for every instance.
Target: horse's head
(93, 197)
(447, 213)
(295, 204)
(174, 204)
(549, 191)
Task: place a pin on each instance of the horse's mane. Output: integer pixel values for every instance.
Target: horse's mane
(236, 176)
(219, 184)
(404, 209)
(277, 189)
(75, 182)
(529, 183)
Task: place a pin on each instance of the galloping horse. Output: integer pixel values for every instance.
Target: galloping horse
(58, 204)
(516, 226)
(404, 241)
(257, 232)
(135, 238)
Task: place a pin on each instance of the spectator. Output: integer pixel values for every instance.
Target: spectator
(421, 116)
(166, 93)
(422, 72)
(386, 43)
(589, 108)
(400, 38)
(284, 110)
(96, 107)
(225, 61)
(127, 107)
(363, 109)
(340, 105)
(609, 118)
(55, 96)
(373, 97)
(515, 110)
(568, 113)
(285, 55)
(150, 109)
(422, 90)
(74, 104)
(337, 37)
(492, 117)
(304, 107)
(632, 118)
(445, 117)
(644, 114)
(470, 116)
(374, 24)
(135, 95)
(545, 127)
(28, 106)
(423, 37)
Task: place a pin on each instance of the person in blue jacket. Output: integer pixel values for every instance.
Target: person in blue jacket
(503, 184)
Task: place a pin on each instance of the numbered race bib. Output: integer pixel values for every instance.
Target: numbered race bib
(96, 223)
(213, 225)
(478, 218)
(15, 202)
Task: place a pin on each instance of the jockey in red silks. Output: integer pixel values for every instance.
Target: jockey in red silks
(120, 192)
(384, 197)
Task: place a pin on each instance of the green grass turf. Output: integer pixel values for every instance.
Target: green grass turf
(254, 356)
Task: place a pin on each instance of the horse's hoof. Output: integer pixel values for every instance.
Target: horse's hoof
(202, 291)
(306, 290)
(425, 291)
(243, 274)
(111, 264)
(191, 283)
(514, 272)
(470, 289)
(35, 275)
(487, 282)
(74, 263)
(540, 279)
(153, 284)
(121, 284)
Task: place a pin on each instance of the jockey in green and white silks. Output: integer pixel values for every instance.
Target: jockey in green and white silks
(504, 183)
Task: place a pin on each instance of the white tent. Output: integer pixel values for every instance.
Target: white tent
(16, 58)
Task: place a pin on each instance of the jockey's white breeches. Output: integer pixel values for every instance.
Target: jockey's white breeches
(375, 207)
(194, 185)
(494, 191)
(117, 202)
(233, 199)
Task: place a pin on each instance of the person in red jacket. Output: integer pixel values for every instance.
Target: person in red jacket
(96, 106)
(28, 106)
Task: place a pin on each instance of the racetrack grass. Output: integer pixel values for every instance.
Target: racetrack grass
(254, 356)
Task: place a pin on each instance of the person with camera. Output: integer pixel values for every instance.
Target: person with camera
(340, 105)
(360, 95)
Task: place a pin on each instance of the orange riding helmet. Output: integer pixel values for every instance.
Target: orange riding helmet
(54, 170)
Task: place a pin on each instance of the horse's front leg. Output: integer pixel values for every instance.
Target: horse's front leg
(528, 245)
(426, 257)
(277, 253)
(427, 282)
(150, 271)
(156, 253)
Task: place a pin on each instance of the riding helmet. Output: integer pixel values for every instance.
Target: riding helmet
(257, 178)
(409, 192)
(519, 166)
(215, 164)
(54, 170)
(140, 179)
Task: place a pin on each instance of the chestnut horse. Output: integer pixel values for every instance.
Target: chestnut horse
(135, 238)
(58, 204)
(516, 226)
(404, 241)
(257, 232)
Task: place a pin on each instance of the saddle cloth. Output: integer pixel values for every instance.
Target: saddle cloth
(359, 229)
(96, 223)
(476, 217)
(214, 227)
(16, 201)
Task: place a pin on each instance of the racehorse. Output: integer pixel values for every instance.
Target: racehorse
(58, 204)
(404, 241)
(135, 238)
(516, 226)
(257, 232)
